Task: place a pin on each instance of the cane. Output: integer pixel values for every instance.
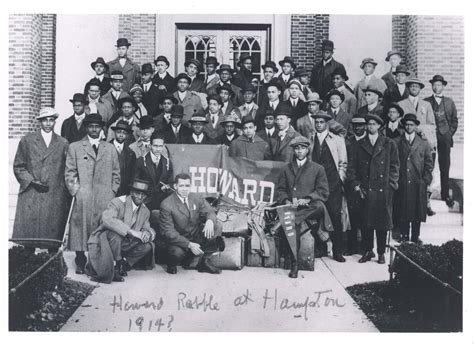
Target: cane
(68, 226)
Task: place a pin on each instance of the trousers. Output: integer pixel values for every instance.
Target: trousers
(131, 248)
(415, 229)
(444, 162)
(368, 240)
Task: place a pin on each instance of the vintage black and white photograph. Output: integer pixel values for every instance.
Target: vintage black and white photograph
(275, 172)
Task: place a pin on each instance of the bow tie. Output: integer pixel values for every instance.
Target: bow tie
(440, 97)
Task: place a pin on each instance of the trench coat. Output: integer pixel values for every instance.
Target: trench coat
(131, 72)
(376, 170)
(191, 103)
(99, 180)
(40, 215)
(416, 167)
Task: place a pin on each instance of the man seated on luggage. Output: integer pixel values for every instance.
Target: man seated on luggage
(183, 231)
(125, 229)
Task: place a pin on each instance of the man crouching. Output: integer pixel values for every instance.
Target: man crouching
(123, 237)
(182, 230)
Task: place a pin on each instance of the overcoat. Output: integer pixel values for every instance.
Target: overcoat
(211, 131)
(376, 170)
(389, 79)
(281, 151)
(416, 167)
(168, 82)
(374, 82)
(104, 108)
(321, 81)
(109, 97)
(40, 215)
(131, 72)
(342, 117)
(244, 148)
(424, 113)
(70, 132)
(191, 103)
(337, 147)
(183, 132)
(99, 180)
(127, 161)
(242, 78)
(197, 85)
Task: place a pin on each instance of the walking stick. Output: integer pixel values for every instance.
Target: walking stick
(68, 226)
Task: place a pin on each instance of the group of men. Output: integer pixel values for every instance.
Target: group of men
(368, 150)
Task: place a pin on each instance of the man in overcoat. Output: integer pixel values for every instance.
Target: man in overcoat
(249, 145)
(416, 167)
(97, 104)
(297, 104)
(398, 91)
(394, 58)
(72, 128)
(193, 67)
(123, 64)
(335, 99)
(162, 122)
(225, 78)
(100, 68)
(162, 78)
(177, 132)
(41, 210)
(373, 173)
(243, 78)
(190, 101)
(339, 78)
(152, 95)
(92, 176)
(368, 65)
(116, 91)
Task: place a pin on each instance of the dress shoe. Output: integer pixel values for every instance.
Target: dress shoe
(367, 257)
(430, 212)
(339, 258)
(117, 276)
(205, 266)
(122, 267)
(80, 264)
(449, 202)
(381, 259)
(293, 270)
(172, 269)
(80, 270)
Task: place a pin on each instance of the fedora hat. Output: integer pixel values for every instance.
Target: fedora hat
(244, 57)
(214, 97)
(226, 87)
(410, 117)
(194, 62)
(140, 185)
(367, 60)
(284, 109)
(127, 100)
(145, 122)
(376, 118)
(440, 78)
(212, 60)
(393, 52)
(169, 97)
(401, 69)
(101, 61)
(183, 76)
(47, 112)
(373, 90)
(395, 106)
(335, 92)
(415, 81)
(270, 64)
(224, 67)
(322, 114)
(313, 97)
(327, 45)
(340, 71)
(116, 75)
(300, 141)
(287, 59)
(162, 58)
(147, 68)
(122, 125)
(122, 42)
(94, 118)
(177, 110)
(79, 97)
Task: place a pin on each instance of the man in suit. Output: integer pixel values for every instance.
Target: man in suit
(329, 150)
(145, 130)
(304, 185)
(116, 92)
(72, 128)
(156, 168)
(249, 107)
(192, 68)
(162, 122)
(213, 128)
(335, 100)
(100, 68)
(294, 101)
(212, 78)
(123, 238)
(177, 131)
(190, 101)
(92, 176)
(273, 102)
(226, 94)
(269, 70)
(321, 81)
(152, 95)
(302, 75)
(137, 93)
(225, 75)
(96, 103)
(305, 125)
(394, 127)
(181, 226)
(243, 78)
(126, 156)
(394, 58)
(127, 106)
(123, 64)
(373, 106)
(198, 136)
(368, 65)
(269, 131)
(41, 210)
(339, 78)
(398, 91)
(446, 117)
(230, 124)
(249, 145)
(162, 78)
(373, 174)
(287, 68)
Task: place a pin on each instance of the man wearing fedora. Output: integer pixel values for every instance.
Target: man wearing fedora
(198, 136)
(373, 98)
(329, 151)
(126, 156)
(177, 132)
(446, 117)
(230, 124)
(162, 78)
(394, 58)
(288, 66)
(321, 81)
(249, 145)
(96, 103)
(373, 174)
(368, 65)
(273, 102)
(335, 99)
(226, 94)
(397, 91)
(190, 101)
(394, 127)
(162, 122)
(189, 228)
(269, 71)
(269, 130)
(127, 108)
(302, 75)
(137, 93)
(41, 210)
(72, 128)
(225, 78)
(123, 64)
(416, 167)
(92, 176)
(100, 68)
(213, 128)
(249, 107)
(152, 95)
(243, 78)
(193, 67)
(145, 130)
(339, 78)
(212, 78)
(295, 99)
(123, 238)
(116, 92)
(305, 124)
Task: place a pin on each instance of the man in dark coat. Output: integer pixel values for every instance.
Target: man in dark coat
(96, 103)
(288, 66)
(72, 128)
(273, 102)
(190, 101)
(41, 210)
(152, 95)
(373, 106)
(230, 124)
(181, 226)
(126, 156)
(373, 173)
(162, 122)
(335, 99)
(129, 69)
(321, 81)
(269, 71)
(303, 184)
(162, 78)
(297, 104)
(394, 127)
(270, 130)
(193, 67)
(339, 79)
(176, 132)
(398, 91)
(243, 78)
(249, 145)
(212, 77)
(416, 167)
(116, 92)
(198, 136)
(394, 58)
(100, 68)
(446, 117)
(225, 78)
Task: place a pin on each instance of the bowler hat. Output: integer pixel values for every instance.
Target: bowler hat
(270, 64)
(393, 52)
(127, 100)
(47, 112)
(101, 61)
(232, 117)
(376, 118)
(340, 71)
(122, 42)
(140, 185)
(147, 68)
(169, 97)
(300, 141)
(183, 76)
(198, 117)
(395, 106)
(162, 58)
(224, 67)
(327, 45)
(276, 83)
(79, 97)
(248, 119)
(335, 92)
(94, 118)
(287, 59)
(226, 87)
(297, 83)
(284, 109)
(367, 60)
(177, 110)
(243, 57)
(135, 88)
(212, 60)
(313, 97)
(438, 77)
(415, 81)
(116, 75)
(322, 114)
(194, 62)
(357, 119)
(410, 117)
(248, 88)
(401, 69)
(145, 122)
(373, 90)
(122, 125)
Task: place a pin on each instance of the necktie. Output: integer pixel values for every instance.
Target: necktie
(134, 217)
(146, 88)
(214, 120)
(187, 205)
(272, 105)
(95, 148)
(119, 149)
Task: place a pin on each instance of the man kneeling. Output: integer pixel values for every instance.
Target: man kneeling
(123, 237)
(182, 230)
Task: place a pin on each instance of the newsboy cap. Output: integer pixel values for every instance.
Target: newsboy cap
(47, 112)
(300, 141)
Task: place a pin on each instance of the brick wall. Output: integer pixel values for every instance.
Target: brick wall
(140, 30)
(307, 33)
(399, 33)
(48, 59)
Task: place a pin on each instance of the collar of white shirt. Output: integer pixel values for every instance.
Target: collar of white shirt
(192, 77)
(199, 138)
(181, 95)
(249, 106)
(274, 103)
(134, 206)
(79, 118)
(341, 89)
(146, 87)
(301, 162)
(369, 77)
(393, 125)
(335, 110)
(322, 136)
(176, 129)
(231, 137)
(373, 138)
(100, 77)
(154, 158)
(47, 137)
(270, 131)
(162, 76)
(372, 106)
(413, 99)
(129, 121)
(93, 101)
(285, 77)
(93, 141)
(358, 138)
(116, 94)
(410, 137)
(119, 146)
(294, 101)
(182, 199)
(224, 106)
(325, 62)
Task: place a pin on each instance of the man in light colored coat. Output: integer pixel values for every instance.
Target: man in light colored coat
(369, 81)
(190, 101)
(129, 69)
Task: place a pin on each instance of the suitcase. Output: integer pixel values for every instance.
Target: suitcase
(233, 224)
(232, 258)
(274, 260)
(306, 253)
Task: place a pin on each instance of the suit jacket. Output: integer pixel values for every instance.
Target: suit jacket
(214, 132)
(392, 95)
(283, 81)
(127, 160)
(212, 82)
(446, 117)
(197, 85)
(321, 81)
(374, 82)
(191, 103)
(104, 85)
(152, 100)
(261, 97)
(70, 132)
(168, 82)
(242, 78)
(105, 109)
(305, 126)
(349, 104)
(263, 134)
(281, 151)
(205, 141)
(389, 79)
(299, 110)
(160, 123)
(262, 111)
(342, 118)
(237, 99)
(131, 72)
(183, 132)
(252, 112)
(424, 113)
(111, 99)
(178, 224)
(337, 147)
(139, 149)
